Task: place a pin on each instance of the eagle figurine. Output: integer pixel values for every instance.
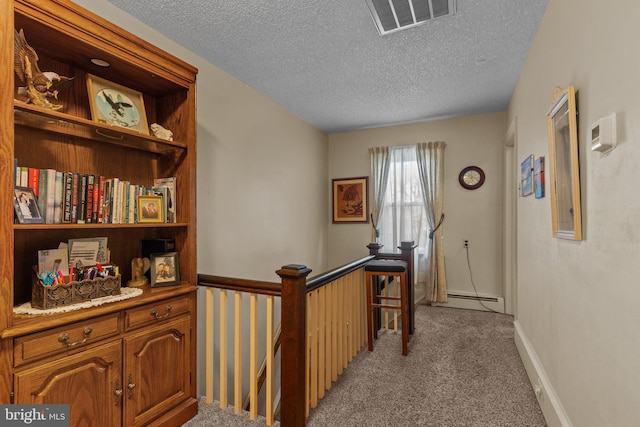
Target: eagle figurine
(39, 85)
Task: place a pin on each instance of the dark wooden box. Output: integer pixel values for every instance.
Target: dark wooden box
(45, 297)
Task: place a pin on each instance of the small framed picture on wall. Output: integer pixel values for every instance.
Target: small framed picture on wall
(350, 200)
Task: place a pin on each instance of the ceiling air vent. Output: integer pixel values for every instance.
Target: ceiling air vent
(396, 15)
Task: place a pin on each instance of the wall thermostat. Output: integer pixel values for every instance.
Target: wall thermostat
(603, 134)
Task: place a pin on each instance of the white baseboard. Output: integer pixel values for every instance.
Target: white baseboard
(471, 301)
(549, 402)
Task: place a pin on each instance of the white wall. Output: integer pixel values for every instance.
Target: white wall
(578, 301)
(472, 215)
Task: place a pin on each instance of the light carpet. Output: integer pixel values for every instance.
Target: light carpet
(463, 369)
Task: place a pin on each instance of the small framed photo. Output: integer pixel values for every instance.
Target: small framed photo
(165, 270)
(26, 206)
(150, 209)
(116, 105)
(350, 200)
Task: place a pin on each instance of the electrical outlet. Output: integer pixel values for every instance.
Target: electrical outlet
(466, 243)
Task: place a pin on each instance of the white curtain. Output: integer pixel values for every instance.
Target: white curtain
(403, 217)
(379, 160)
(431, 166)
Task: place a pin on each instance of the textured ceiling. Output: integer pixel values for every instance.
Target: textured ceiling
(324, 59)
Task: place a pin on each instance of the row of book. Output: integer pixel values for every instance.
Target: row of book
(75, 198)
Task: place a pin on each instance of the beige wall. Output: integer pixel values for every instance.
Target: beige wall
(472, 215)
(257, 164)
(261, 177)
(578, 310)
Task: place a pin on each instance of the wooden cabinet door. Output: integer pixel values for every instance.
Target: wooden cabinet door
(87, 381)
(157, 370)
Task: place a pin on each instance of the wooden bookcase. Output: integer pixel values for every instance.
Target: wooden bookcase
(137, 365)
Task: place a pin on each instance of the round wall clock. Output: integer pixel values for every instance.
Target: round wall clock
(471, 177)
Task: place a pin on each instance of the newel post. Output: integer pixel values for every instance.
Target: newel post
(293, 342)
(374, 248)
(406, 253)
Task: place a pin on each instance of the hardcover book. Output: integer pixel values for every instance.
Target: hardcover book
(75, 188)
(57, 200)
(50, 177)
(82, 198)
(67, 200)
(89, 204)
(42, 193)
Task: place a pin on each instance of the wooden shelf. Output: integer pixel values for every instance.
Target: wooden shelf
(40, 227)
(31, 116)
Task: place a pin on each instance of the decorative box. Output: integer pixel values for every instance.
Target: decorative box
(45, 297)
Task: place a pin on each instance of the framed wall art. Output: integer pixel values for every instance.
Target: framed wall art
(538, 177)
(564, 171)
(350, 200)
(165, 269)
(526, 176)
(116, 105)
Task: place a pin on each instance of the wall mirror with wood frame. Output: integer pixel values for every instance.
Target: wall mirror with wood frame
(564, 170)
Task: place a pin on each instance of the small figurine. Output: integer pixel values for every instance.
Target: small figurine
(139, 266)
(39, 84)
(160, 132)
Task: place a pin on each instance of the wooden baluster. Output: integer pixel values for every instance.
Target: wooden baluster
(237, 349)
(223, 349)
(253, 356)
(209, 346)
(329, 348)
(321, 341)
(334, 330)
(313, 337)
(269, 362)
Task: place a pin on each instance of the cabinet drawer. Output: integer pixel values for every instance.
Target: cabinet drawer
(156, 312)
(65, 338)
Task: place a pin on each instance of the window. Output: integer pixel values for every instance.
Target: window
(403, 217)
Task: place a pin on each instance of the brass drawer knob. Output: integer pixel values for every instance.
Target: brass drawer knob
(130, 386)
(117, 393)
(64, 338)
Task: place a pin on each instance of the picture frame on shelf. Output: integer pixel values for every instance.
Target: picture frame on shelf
(350, 200)
(26, 206)
(150, 209)
(564, 170)
(116, 105)
(165, 269)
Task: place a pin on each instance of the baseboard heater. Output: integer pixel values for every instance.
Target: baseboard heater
(470, 300)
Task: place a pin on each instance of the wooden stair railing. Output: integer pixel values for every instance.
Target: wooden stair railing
(323, 326)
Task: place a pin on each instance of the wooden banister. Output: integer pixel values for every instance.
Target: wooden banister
(324, 278)
(322, 328)
(241, 285)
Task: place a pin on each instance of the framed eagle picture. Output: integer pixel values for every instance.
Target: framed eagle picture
(116, 105)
